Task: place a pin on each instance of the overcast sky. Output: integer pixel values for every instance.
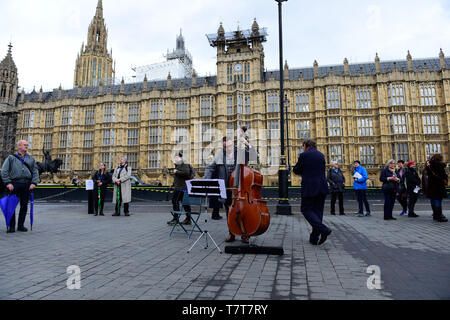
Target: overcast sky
(47, 34)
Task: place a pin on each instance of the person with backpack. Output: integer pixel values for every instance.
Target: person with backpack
(182, 172)
(412, 180)
(434, 181)
(20, 174)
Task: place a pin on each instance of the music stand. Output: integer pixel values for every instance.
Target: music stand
(206, 188)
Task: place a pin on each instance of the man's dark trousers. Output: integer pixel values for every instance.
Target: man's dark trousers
(362, 200)
(402, 199)
(312, 208)
(389, 202)
(178, 196)
(340, 196)
(412, 199)
(22, 191)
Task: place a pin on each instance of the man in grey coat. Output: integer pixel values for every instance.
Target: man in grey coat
(20, 175)
(336, 179)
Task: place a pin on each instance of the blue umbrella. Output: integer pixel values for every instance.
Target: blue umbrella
(31, 209)
(8, 205)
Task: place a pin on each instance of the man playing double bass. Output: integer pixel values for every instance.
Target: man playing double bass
(224, 164)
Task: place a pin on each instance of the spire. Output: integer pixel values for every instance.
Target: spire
(8, 62)
(221, 31)
(316, 69)
(377, 63)
(255, 27)
(99, 11)
(442, 60)
(409, 59)
(180, 42)
(346, 67)
(286, 71)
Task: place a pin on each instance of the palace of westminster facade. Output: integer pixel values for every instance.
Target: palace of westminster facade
(370, 112)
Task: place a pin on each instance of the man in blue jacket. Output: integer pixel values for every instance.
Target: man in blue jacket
(311, 166)
(360, 178)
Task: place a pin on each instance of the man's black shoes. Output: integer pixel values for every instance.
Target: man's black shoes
(22, 229)
(323, 237)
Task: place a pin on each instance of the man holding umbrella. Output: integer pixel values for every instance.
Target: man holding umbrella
(20, 175)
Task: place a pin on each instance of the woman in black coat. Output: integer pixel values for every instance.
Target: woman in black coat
(390, 181)
(336, 180)
(436, 186)
(412, 180)
(101, 180)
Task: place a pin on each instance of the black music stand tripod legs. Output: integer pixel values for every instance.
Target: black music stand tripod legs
(206, 188)
(205, 234)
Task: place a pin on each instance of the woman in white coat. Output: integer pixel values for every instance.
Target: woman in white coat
(121, 179)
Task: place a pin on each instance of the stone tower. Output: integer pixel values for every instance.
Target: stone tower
(8, 104)
(240, 54)
(94, 63)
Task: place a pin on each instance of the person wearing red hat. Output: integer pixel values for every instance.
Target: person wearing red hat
(413, 184)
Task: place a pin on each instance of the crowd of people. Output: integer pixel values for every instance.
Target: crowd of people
(400, 182)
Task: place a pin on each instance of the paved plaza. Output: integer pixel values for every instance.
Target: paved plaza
(134, 257)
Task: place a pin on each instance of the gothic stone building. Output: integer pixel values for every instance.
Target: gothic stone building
(370, 112)
(8, 105)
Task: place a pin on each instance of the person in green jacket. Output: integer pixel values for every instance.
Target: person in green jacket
(182, 172)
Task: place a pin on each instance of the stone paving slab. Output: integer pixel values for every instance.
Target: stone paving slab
(134, 258)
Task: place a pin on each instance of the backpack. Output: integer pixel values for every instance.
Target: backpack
(425, 182)
(191, 172)
(2, 185)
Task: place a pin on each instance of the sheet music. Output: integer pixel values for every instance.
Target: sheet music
(357, 175)
(217, 183)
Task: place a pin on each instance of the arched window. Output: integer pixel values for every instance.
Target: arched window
(3, 91)
(99, 69)
(84, 72)
(94, 71)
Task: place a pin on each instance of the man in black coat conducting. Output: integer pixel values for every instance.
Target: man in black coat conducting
(311, 166)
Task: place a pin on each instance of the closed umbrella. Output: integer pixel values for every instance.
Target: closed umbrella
(8, 205)
(31, 209)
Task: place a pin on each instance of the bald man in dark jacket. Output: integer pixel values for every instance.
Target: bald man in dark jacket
(311, 166)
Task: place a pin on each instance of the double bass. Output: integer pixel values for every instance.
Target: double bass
(248, 215)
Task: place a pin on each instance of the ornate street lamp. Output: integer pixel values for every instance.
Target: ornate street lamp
(283, 207)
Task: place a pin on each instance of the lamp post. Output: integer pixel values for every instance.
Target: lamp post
(283, 207)
(287, 103)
